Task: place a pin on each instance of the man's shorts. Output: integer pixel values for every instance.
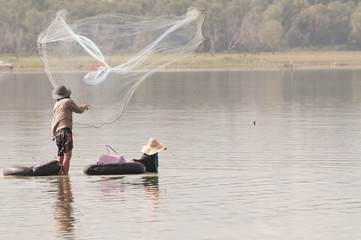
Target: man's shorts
(64, 141)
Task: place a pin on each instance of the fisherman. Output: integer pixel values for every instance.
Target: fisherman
(62, 124)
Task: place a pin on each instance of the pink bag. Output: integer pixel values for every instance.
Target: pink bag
(106, 158)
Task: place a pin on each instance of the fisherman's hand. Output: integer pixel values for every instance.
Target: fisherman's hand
(86, 106)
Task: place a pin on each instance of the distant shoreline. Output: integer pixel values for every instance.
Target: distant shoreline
(283, 61)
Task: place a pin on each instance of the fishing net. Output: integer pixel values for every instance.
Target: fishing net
(104, 58)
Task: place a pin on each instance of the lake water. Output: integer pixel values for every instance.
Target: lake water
(251, 155)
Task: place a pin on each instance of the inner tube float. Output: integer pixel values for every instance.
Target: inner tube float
(115, 169)
(41, 169)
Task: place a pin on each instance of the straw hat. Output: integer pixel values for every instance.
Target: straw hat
(153, 147)
(60, 92)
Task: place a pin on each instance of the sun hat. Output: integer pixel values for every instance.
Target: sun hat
(152, 147)
(60, 92)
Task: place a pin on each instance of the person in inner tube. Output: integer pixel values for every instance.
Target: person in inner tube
(62, 124)
(150, 155)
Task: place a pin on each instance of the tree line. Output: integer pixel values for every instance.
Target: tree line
(231, 25)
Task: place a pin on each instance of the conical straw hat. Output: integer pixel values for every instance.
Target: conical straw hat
(152, 147)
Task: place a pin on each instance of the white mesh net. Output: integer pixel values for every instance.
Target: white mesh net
(103, 59)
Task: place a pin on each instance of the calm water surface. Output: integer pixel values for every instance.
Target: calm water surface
(251, 155)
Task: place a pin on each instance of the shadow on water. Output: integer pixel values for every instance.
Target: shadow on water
(63, 211)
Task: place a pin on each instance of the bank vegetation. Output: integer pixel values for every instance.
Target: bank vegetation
(239, 33)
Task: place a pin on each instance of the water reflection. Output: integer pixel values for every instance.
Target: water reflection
(112, 185)
(117, 186)
(63, 214)
(151, 187)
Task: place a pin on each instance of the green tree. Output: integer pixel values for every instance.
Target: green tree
(270, 35)
(339, 27)
(355, 24)
(233, 13)
(250, 32)
(314, 21)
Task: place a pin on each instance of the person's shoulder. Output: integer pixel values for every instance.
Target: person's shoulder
(67, 101)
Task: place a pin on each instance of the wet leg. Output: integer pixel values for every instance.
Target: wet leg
(66, 162)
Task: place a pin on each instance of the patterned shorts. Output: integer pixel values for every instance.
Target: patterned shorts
(64, 141)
